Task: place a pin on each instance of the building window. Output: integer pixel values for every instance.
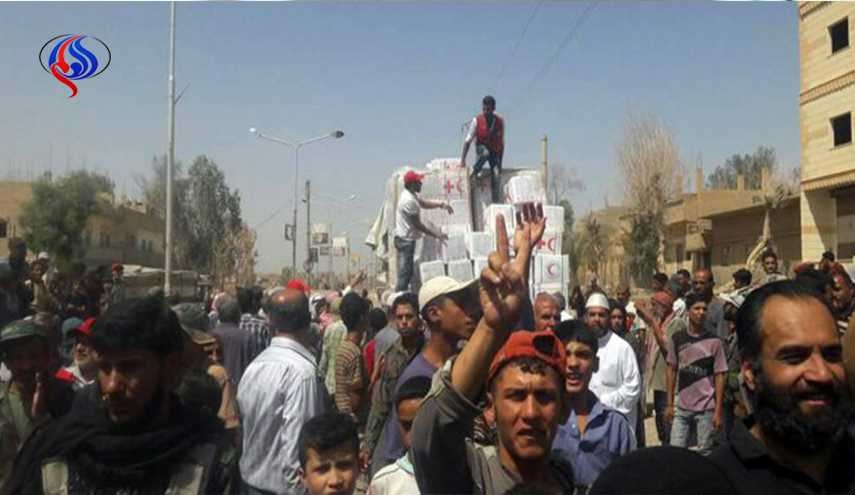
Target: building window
(842, 128)
(839, 34)
(3, 228)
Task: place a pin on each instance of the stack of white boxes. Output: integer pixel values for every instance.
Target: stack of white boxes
(464, 255)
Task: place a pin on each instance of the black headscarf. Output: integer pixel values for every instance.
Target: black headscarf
(124, 454)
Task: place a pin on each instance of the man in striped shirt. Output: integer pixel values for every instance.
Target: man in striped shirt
(250, 302)
(351, 380)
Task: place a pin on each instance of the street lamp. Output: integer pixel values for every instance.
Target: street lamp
(296, 146)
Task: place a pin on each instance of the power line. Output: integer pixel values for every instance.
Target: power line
(571, 34)
(517, 45)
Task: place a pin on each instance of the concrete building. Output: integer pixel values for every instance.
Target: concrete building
(129, 234)
(718, 229)
(826, 109)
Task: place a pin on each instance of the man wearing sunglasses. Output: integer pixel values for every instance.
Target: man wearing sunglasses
(523, 373)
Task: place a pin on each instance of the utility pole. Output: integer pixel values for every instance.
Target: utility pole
(544, 165)
(170, 158)
(308, 230)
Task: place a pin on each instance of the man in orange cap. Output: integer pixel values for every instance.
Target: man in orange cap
(524, 377)
(409, 226)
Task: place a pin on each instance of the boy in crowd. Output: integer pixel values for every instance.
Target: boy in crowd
(594, 435)
(400, 477)
(329, 450)
(698, 366)
(351, 379)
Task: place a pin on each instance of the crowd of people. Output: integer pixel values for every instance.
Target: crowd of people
(462, 387)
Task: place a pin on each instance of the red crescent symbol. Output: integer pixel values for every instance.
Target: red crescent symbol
(549, 269)
(551, 243)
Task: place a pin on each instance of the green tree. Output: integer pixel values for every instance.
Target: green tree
(55, 218)
(212, 209)
(749, 166)
(153, 191)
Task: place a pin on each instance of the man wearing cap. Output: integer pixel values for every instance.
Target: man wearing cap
(404, 315)
(128, 433)
(659, 315)
(450, 311)
(524, 376)
(199, 345)
(23, 399)
(409, 226)
(617, 381)
(83, 370)
(488, 130)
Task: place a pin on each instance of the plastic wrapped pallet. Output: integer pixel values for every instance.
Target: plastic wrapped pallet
(431, 269)
(460, 270)
(479, 244)
(527, 188)
(454, 248)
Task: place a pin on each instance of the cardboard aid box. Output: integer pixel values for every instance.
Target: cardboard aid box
(460, 270)
(525, 188)
(454, 248)
(479, 244)
(431, 269)
(550, 243)
(478, 265)
(548, 269)
(494, 210)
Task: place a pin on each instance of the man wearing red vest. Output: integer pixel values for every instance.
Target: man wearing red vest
(488, 130)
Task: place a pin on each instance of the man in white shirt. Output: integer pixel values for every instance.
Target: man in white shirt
(279, 391)
(617, 382)
(409, 226)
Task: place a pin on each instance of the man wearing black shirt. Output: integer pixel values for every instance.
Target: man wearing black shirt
(796, 442)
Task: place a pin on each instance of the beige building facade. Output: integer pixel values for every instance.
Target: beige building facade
(129, 234)
(826, 111)
(718, 229)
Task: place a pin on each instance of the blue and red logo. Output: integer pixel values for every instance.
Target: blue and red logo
(68, 60)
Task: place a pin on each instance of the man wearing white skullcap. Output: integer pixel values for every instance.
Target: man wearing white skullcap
(617, 381)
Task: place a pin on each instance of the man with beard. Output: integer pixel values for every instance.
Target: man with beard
(450, 311)
(128, 433)
(842, 297)
(405, 318)
(703, 285)
(409, 226)
(792, 366)
(617, 382)
(523, 373)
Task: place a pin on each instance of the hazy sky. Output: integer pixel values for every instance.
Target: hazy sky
(399, 79)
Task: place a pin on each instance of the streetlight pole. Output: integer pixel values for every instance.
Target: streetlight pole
(296, 146)
(170, 159)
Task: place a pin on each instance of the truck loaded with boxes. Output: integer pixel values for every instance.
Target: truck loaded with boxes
(471, 228)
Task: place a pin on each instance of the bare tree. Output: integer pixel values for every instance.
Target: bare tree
(234, 258)
(563, 182)
(651, 175)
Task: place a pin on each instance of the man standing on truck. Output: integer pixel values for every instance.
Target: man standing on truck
(409, 226)
(488, 130)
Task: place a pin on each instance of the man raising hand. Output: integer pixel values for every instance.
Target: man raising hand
(524, 377)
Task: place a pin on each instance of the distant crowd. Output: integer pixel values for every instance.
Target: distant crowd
(463, 387)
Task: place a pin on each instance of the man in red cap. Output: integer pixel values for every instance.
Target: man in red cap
(524, 374)
(409, 226)
(84, 369)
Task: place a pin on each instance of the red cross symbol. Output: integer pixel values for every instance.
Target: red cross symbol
(448, 187)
